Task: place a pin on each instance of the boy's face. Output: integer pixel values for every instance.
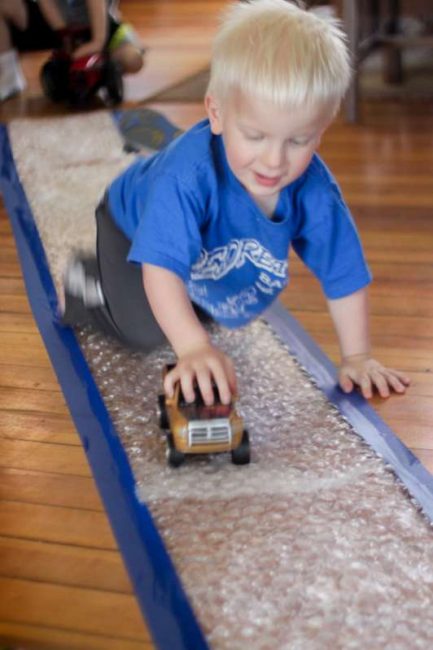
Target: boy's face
(267, 147)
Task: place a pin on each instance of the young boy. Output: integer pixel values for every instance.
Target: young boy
(26, 25)
(204, 227)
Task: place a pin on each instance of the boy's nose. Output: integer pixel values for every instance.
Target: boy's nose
(274, 158)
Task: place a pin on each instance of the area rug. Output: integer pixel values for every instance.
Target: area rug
(318, 543)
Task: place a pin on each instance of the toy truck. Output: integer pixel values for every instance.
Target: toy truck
(195, 428)
(77, 81)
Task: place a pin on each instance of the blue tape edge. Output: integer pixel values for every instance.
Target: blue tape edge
(365, 421)
(160, 594)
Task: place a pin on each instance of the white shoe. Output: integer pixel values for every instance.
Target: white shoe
(11, 75)
(79, 283)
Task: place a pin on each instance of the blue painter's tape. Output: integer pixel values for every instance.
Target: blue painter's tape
(354, 408)
(159, 592)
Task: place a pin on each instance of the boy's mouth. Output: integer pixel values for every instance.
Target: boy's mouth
(267, 181)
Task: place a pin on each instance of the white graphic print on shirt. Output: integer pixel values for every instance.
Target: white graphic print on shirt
(217, 263)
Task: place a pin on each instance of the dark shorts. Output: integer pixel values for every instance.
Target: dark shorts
(40, 36)
(127, 312)
(122, 285)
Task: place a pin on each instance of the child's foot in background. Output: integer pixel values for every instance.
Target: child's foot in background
(12, 79)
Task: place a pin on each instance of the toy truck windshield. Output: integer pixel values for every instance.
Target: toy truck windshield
(198, 410)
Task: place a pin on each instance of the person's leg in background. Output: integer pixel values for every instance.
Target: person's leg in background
(124, 46)
(13, 14)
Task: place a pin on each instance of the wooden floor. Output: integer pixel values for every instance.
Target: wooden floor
(62, 581)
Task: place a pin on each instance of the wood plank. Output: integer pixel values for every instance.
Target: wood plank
(19, 347)
(376, 198)
(419, 273)
(298, 297)
(426, 458)
(65, 608)
(10, 286)
(382, 327)
(13, 322)
(14, 305)
(405, 407)
(52, 489)
(42, 427)
(39, 637)
(56, 524)
(45, 457)
(28, 377)
(420, 361)
(27, 399)
(63, 564)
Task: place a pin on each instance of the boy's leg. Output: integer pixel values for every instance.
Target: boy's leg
(109, 293)
(122, 286)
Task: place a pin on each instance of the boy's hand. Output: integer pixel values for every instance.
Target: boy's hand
(201, 366)
(367, 373)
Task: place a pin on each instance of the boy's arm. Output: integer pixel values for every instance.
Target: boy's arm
(198, 359)
(351, 321)
(98, 27)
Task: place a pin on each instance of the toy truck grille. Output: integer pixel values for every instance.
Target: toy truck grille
(202, 432)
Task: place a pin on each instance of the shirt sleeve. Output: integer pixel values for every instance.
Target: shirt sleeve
(168, 231)
(328, 243)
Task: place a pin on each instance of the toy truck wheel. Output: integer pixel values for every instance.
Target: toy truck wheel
(175, 458)
(162, 413)
(241, 455)
(54, 75)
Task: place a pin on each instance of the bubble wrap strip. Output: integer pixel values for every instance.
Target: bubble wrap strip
(159, 591)
(354, 408)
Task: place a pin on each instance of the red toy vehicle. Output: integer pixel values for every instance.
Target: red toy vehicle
(77, 81)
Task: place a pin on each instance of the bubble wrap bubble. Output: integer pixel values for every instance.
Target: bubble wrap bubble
(315, 545)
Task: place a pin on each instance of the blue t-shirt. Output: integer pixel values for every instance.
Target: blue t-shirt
(184, 210)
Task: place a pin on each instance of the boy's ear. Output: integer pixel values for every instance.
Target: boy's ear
(213, 110)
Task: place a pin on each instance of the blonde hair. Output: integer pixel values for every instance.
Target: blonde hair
(279, 52)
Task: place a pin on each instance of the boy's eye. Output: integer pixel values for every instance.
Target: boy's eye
(299, 143)
(254, 137)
